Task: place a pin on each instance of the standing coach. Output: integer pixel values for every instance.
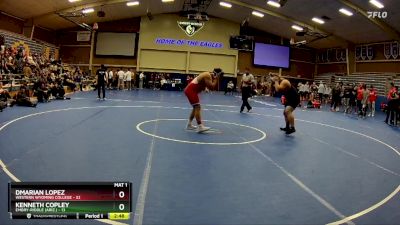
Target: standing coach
(101, 81)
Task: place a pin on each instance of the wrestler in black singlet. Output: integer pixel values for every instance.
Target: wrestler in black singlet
(292, 98)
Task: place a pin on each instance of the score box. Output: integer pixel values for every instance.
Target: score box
(88, 191)
(69, 198)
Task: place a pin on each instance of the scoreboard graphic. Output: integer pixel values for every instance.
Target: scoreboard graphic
(70, 200)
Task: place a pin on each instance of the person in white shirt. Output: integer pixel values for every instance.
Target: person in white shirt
(121, 75)
(128, 77)
(327, 93)
(141, 80)
(300, 89)
(109, 77)
(321, 90)
(247, 83)
(229, 87)
(307, 91)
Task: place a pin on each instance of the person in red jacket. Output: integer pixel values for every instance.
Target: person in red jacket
(392, 104)
(373, 95)
(359, 98)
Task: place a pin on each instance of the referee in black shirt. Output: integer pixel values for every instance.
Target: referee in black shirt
(101, 81)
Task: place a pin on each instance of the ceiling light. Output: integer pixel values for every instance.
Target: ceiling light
(167, 0)
(376, 3)
(345, 12)
(274, 4)
(255, 13)
(132, 3)
(297, 28)
(89, 10)
(225, 4)
(318, 20)
(73, 1)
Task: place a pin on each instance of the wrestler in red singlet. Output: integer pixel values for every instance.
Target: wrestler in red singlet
(201, 82)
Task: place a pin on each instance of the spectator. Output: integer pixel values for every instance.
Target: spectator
(23, 99)
(335, 98)
(27, 71)
(327, 93)
(373, 95)
(115, 79)
(229, 87)
(321, 89)
(128, 77)
(364, 101)
(300, 88)
(392, 105)
(110, 76)
(141, 80)
(121, 75)
(124, 79)
(5, 98)
(314, 91)
(306, 90)
(42, 91)
(346, 98)
(353, 99)
(57, 90)
(360, 92)
(134, 80)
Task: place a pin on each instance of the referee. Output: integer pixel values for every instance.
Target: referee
(101, 81)
(246, 85)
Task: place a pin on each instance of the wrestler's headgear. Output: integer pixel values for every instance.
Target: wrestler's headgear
(218, 72)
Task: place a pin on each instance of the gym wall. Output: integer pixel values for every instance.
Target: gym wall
(44, 35)
(78, 53)
(11, 24)
(378, 64)
(302, 60)
(153, 56)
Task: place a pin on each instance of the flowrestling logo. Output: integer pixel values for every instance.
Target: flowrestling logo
(376, 14)
(190, 28)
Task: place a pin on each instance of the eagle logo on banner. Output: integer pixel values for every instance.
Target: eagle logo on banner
(343, 55)
(337, 54)
(387, 50)
(370, 52)
(358, 52)
(190, 28)
(363, 52)
(395, 50)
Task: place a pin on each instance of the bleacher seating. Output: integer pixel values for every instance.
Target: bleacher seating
(378, 80)
(326, 78)
(34, 46)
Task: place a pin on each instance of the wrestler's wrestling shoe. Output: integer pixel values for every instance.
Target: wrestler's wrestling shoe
(191, 127)
(201, 129)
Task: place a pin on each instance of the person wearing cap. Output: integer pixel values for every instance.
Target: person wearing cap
(197, 85)
(101, 81)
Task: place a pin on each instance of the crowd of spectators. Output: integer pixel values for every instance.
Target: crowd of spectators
(34, 78)
(127, 79)
(358, 99)
(349, 98)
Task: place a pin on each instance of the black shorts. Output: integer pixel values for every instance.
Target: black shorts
(292, 103)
